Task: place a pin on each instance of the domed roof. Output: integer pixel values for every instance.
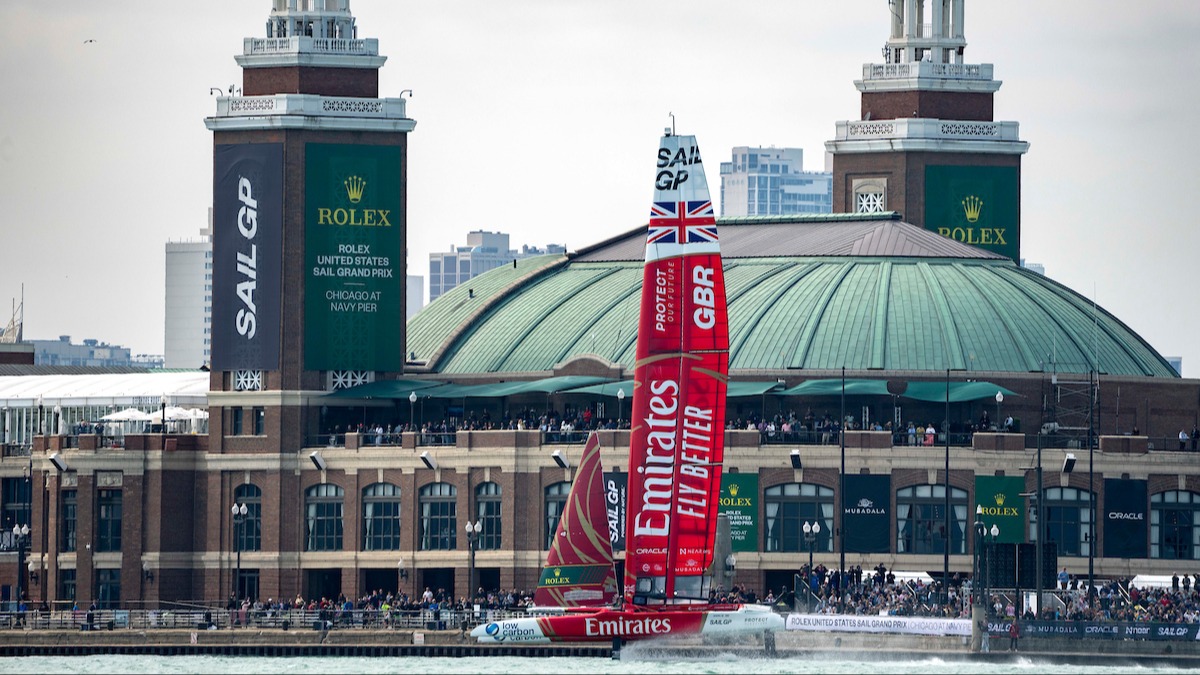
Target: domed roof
(807, 293)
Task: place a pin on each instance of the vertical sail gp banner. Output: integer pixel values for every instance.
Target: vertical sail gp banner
(1003, 505)
(867, 514)
(977, 205)
(247, 256)
(616, 493)
(1125, 518)
(680, 378)
(353, 255)
(739, 502)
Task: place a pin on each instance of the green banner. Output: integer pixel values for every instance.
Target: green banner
(1003, 506)
(977, 205)
(353, 254)
(739, 502)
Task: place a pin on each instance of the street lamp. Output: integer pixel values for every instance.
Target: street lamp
(57, 427)
(41, 420)
(239, 512)
(841, 531)
(811, 530)
(999, 400)
(473, 531)
(412, 401)
(162, 419)
(21, 539)
(620, 405)
(989, 548)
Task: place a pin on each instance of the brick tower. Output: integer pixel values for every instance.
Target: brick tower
(308, 273)
(926, 144)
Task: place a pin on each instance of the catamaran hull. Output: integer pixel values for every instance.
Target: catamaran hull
(606, 624)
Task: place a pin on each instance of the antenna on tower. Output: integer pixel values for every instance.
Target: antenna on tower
(670, 131)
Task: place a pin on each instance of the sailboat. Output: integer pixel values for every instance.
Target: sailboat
(677, 438)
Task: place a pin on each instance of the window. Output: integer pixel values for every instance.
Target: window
(108, 588)
(108, 524)
(381, 517)
(556, 502)
(236, 421)
(70, 510)
(439, 517)
(921, 519)
(487, 511)
(249, 533)
(868, 202)
(1067, 519)
(788, 507)
(323, 504)
(260, 416)
(16, 502)
(66, 584)
(1173, 516)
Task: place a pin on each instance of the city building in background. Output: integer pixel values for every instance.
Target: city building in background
(91, 353)
(188, 320)
(773, 182)
(414, 295)
(484, 251)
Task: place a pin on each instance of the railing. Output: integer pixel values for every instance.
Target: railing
(819, 437)
(437, 438)
(16, 450)
(564, 437)
(222, 619)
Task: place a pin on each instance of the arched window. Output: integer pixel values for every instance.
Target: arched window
(1173, 531)
(921, 519)
(323, 506)
(556, 503)
(1067, 518)
(381, 517)
(788, 507)
(487, 511)
(439, 517)
(249, 532)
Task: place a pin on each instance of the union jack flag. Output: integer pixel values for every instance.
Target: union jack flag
(682, 223)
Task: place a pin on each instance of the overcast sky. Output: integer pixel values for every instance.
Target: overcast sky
(540, 118)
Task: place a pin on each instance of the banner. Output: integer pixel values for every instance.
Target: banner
(866, 514)
(739, 502)
(1003, 506)
(906, 625)
(1104, 630)
(1125, 518)
(977, 205)
(353, 258)
(616, 491)
(247, 256)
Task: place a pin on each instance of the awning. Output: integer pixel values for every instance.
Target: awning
(548, 385)
(959, 391)
(385, 389)
(854, 387)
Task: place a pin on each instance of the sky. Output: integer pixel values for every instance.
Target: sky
(540, 119)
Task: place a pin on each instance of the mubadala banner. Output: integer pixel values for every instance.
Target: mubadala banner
(906, 625)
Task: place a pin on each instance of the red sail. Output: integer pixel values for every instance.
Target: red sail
(579, 567)
(680, 377)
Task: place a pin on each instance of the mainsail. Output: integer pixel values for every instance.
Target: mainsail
(11, 334)
(680, 377)
(579, 567)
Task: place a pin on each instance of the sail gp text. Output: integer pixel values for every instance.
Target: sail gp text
(658, 494)
(704, 297)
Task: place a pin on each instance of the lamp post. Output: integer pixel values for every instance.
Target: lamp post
(239, 512)
(56, 427)
(978, 617)
(162, 418)
(988, 549)
(21, 539)
(412, 402)
(473, 532)
(41, 420)
(620, 406)
(841, 531)
(811, 530)
(999, 400)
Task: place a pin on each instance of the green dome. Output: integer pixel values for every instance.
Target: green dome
(808, 293)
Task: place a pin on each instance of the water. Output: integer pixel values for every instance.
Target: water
(630, 663)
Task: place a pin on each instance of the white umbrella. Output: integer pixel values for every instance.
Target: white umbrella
(173, 413)
(127, 415)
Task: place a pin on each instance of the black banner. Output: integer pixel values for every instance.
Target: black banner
(247, 256)
(1001, 561)
(1100, 630)
(867, 515)
(616, 486)
(1027, 565)
(1125, 506)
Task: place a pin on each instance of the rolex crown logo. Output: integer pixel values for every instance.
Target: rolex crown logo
(1000, 499)
(354, 188)
(972, 205)
(557, 571)
(733, 490)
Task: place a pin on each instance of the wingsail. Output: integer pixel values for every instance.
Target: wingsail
(579, 568)
(680, 379)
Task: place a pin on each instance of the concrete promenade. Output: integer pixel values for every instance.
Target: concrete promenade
(453, 643)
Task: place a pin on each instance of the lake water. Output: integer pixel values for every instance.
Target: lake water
(631, 663)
